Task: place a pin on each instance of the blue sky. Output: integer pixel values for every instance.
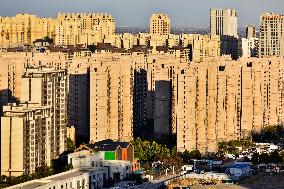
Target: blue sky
(137, 12)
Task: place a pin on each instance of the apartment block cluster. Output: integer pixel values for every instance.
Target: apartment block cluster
(66, 29)
(76, 71)
(33, 123)
(221, 100)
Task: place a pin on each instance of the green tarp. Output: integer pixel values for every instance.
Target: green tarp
(110, 156)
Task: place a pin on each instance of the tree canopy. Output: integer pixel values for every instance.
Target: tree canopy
(271, 133)
(70, 145)
(232, 146)
(153, 151)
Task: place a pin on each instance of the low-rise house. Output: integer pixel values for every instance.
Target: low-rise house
(117, 157)
(117, 169)
(114, 150)
(77, 178)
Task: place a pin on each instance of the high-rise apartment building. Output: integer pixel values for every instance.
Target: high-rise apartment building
(250, 32)
(75, 60)
(48, 87)
(271, 42)
(161, 96)
(227, 100)
(12, 68)
(26, 138)
(173, 40)
(79, 98)
(249, 47)
(160, 24)
(150, 69)
(223, 22)
(83, 28)
(66, 29)
(202, 46)
(154, 95)
(111, 98)
(133, 90)
(24, 29)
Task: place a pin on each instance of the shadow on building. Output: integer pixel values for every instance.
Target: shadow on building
(142, 124)
(162, 108)
(78, 106)
(6, 96)
(152, 110)
(229, 46)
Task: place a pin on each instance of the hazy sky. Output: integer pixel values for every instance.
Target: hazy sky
(137, 12)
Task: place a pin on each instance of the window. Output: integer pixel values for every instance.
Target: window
(83, 183)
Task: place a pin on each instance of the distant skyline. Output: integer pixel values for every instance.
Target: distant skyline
(136, 13)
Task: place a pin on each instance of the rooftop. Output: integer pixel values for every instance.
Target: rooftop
(108, 145)
(51, 179)
(23, 107)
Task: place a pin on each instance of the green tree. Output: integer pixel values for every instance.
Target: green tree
(271, 133)
(222, 149)
(151, 151)
(68, 167)
(138, 148)
(24, 178)
(42, 171)
(173, 152)
(59, 164)
(165, 152)
(255, 159)
(240, 143)
(282, 156)
(70, 145)
(195, 154)
(185, 157)
(264, 158)
(275, 157)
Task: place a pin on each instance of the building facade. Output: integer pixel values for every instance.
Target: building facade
(24, 29)
(227, 100)
(160, 24)
(111, 98)
(12, 68)
(48, 87)
(223, 22)
(83, 28)
(26, 138)
(202, 46)
(250, 32)
(66, 29)
(271, 42)
(249, 47)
